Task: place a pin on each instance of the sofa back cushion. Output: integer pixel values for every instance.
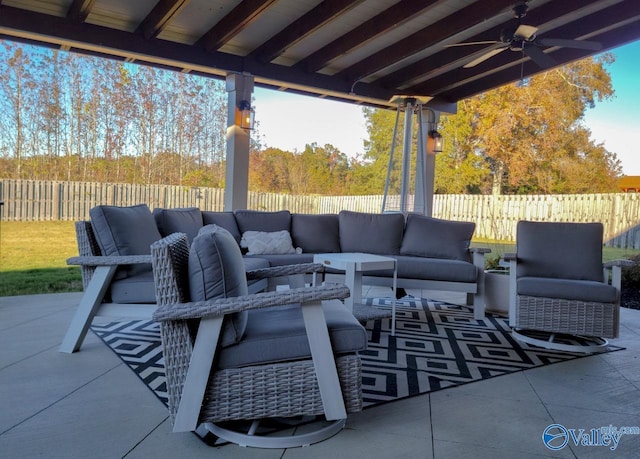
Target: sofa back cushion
(254, 220)
(371, 233)
(186, 220)
(125, 231)
(560, 249)
(216, 270)
(225, 220)
(316, 233)
(434, 238)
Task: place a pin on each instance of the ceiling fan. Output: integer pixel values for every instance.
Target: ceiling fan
(523, 38)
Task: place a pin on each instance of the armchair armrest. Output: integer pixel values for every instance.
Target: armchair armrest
(109, 260)
(286, 270)
(222, 306)
(621, 263)
(478, 254)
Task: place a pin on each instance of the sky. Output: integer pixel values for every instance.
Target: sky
(289, 121)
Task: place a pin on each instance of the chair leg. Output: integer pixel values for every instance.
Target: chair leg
(324, 361)
(89, 305)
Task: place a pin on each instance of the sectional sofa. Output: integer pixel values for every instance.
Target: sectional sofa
(431, 253)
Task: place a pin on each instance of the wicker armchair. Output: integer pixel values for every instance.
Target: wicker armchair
(559, 286)
(296, 356)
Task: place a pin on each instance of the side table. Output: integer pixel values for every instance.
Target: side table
(353, 265)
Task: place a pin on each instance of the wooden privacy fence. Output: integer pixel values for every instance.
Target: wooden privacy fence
(495, 216)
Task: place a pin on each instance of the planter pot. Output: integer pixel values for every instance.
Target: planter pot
(496, 291)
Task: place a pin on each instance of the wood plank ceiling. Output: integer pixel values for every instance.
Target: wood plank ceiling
(363, 51)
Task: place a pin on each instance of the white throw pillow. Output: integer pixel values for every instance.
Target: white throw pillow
(260, 242)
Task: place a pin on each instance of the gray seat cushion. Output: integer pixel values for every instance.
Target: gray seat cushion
(285, 259)
(187, 220)
(567, 289)
(316, 233)
(437, 269)
(217, 270)
(435, 238)
(277, 335)
(371, 233)
(125, 231)
(138, 288)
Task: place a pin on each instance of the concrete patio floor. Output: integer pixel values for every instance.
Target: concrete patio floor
(90, 404)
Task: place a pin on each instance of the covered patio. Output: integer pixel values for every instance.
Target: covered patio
(372, 53)
(90, 404)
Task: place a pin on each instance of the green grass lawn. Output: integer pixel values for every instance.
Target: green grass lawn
(33, 257)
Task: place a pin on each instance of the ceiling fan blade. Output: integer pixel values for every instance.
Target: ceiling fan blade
(525, 31)
(472, 43)
(483, 58)
(539, 57)
(579, 44)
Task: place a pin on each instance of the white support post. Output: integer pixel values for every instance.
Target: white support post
(239, 88)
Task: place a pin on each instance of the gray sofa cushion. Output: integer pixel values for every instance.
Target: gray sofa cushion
(224, 219)
(316, 233)
(437, 269)
(217, 270)
(138, 288)
(560, 250)
(435, 238)
(125, 231)
(371, 233)
(278, 334)
(253, 220)
(286, 259)
(187, 220)
(567, 289)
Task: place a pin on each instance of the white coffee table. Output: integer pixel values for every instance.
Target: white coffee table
(354, 265)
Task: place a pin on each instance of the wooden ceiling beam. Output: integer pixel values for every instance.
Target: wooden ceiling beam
(451, 25)
(308, 23)
(160, 16)
(79, 10)
(240, 17)
(391, 18)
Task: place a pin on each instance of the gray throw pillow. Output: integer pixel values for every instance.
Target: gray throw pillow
(125, 231)
(434, 238)
(316, 233)
(371, 233)
(183, 220)
(216, 270)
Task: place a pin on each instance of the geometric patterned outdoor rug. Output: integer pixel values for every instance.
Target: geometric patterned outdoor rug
(437, 345)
